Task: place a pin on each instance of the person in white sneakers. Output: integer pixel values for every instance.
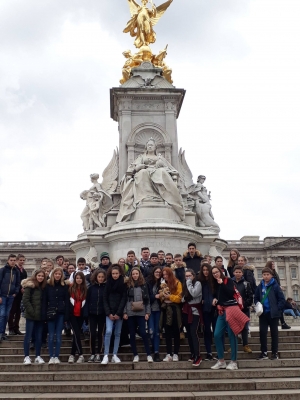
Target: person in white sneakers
(114, 298)
(137, 311)
(78, 311)
(32, 302)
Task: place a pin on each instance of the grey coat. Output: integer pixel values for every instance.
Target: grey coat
(138, 296)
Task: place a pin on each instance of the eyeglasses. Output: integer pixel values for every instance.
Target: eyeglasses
(189, 276)
(215, 273)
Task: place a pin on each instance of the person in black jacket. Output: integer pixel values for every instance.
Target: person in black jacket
(233, 261)
(9, 288)
(268, 293)
(115, 296)
(245, 290)
(56, 306)
(179, 267)
(95, 307)
(154, 281)
(193, 258)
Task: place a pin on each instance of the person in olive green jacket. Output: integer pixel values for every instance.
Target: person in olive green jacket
(32, 302)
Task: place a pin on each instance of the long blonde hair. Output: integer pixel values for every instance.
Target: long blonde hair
(62, 279)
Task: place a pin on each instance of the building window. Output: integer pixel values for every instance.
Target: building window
(294, 273)
(295, 295)
(281, 273)
(259, 273)
(284, 293)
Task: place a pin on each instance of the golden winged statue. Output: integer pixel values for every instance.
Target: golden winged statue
(142, 21)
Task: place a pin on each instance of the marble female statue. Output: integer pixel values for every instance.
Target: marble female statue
(203, 210)
(149, 178)
(142, 21)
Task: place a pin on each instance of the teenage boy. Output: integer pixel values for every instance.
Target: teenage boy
(60, 261)
(153, 263)
(131, 262)
(15, 312)
(269, 294)
(161, 258)
(193, 258)
(245, 290)
(179, 268)
(207, 259)
(169, 259)
(219, 263)
(82, 267)
(9, 287)
(104, 261)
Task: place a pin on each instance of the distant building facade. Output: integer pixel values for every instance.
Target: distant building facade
(285, 251)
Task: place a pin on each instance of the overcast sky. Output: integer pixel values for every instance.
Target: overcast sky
(239, 61)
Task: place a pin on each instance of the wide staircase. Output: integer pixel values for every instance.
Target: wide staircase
(266, 380)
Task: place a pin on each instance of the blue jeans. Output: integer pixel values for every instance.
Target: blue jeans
(291, 312)
(220, 329)
(108, 332)
(133, 323)
(55, 327)
(37, 327)
(5, 308)
(153, 325)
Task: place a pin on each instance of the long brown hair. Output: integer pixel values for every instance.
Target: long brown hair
(62, 279)
(222, 276)
(75, 288)
(34, 280)
(269, 264)
(140, 281)
(171, 281)
(95, 275)
(231, 263)
(209, 279)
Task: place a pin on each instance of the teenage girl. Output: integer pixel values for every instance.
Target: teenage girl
(114, 302)
(32, 302)
(137, 311)
(171, 314)
(56, 308)
(96, 313)
(154, 286)
(78, 312)
(233, 261)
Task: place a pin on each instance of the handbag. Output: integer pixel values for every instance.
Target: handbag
(259, 305)
(51, 313)
(137, 306)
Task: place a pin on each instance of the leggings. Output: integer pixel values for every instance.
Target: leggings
(192, 334)
(96, 321)
(172, 331)
(76, 324)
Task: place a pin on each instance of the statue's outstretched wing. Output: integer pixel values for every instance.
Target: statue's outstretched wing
(111, 173)
(185, 173)
(160, 10)
(133, 7)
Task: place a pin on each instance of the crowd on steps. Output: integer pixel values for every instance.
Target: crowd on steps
(152, 296)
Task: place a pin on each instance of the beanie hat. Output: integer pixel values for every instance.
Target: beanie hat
(104, 254)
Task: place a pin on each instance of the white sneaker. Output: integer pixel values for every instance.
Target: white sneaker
(105, 360)
(115, 359)
(168, 358)
(149, 359)
(52, 360)
(56, 360)
(175, 357)
(39, 360)
(71, 359)
(27, 361)
(80, 360)
(232, 365)
(136, 359)
(219, 365)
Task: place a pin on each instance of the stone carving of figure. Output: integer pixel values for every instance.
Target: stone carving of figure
(149, 177)
(98, 203)
(142, 21)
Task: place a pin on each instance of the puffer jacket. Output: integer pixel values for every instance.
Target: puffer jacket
(57, 297)
(95, 303)
(248, 271)
(179, 272)
(10, 283)
(114, 301)
(32, 300)
(193, 262)
(275, 300)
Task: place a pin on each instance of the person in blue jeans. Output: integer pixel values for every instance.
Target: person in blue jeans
(137, 311)
(56, 306)
(289, 309)
(114, 299)
(154, 281)
(9, 288)
(32, 302)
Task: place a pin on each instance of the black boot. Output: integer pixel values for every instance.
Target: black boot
(156, 358)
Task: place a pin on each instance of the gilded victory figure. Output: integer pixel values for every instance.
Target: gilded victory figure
(142, 21)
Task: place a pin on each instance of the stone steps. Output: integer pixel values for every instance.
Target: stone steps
(258, 380)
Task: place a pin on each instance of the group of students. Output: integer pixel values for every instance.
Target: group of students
(152, 295)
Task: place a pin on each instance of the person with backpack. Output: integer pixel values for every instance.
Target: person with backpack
(269, 294)
(137, 311)
(230, 316)
(32, 301)
(78, 312)
(245, 291)
(56, 306)
(114, 298)
(96, 313)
